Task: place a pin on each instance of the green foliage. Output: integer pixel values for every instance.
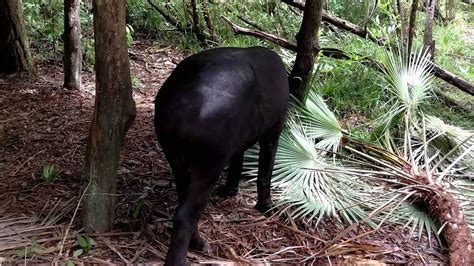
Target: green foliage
(50, 172)
(350, 87)
(44, 21)
(129, 31)
(138, 208)
(452, 50)
(45, 27)
(33, 249)
(354, 11)
(323, 170)
(85, 243)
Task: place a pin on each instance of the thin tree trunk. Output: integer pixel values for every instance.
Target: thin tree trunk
(308, 48)
(208, 19)
(196, 25)
(449, 9)
(72, 45)
(14, 48)
(428, 42)
(412, 24)
(403, 22)
(114, 112)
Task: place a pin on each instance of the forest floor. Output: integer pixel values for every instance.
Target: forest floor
(42, 124)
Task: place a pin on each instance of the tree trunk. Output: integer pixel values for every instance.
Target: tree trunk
(403, 22)
(209, 23)
(412, 24)
(114, 112)
(72, 45)
(14, 48)
(196, 25)
(308, 48)
(428, 42)
(449, 9)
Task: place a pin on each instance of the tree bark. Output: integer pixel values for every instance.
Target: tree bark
(196, 25)
(450, 9)
(209, 23)
(308, 48)
(114, 112)
(412, 24)
(403, 22)
(428, 43)
(14, 48)
(72, 45)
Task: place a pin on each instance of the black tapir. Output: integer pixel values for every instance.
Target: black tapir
(214, 106)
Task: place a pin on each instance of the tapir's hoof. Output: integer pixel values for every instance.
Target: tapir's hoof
(265, 208)
(224, 192)
(200, 244)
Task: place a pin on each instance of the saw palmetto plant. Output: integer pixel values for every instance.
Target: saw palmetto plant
(420, 174)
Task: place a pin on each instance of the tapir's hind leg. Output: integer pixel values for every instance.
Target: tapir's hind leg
(268, 147)
(190, 207)
(182, 174)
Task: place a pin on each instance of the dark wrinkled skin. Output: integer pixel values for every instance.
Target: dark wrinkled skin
(214, 106)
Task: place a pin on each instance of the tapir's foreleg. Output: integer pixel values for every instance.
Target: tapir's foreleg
(231, 186)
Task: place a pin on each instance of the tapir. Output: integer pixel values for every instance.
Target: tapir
(214, 106)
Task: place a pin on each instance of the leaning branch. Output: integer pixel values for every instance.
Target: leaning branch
(438, 71)
(172, 20)
(282, 42)
(340, 23)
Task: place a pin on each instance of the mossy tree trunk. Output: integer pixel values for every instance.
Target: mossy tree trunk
(308, 48)
(14, 49)
(72, 45)
(114, 112)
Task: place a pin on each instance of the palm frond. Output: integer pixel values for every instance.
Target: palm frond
(410, 82)
(302, 178)
(319, 122)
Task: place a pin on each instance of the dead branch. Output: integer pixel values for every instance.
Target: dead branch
(182, 28)
(251, 23)
(172, 20)
(338, 22)
(439, 72)
(262, 35)
(282, 42)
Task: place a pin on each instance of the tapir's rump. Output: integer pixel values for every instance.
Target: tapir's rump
(214, 106)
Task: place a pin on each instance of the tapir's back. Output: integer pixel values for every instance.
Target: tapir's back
(224, 97)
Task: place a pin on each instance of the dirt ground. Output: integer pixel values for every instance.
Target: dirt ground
(40, 124)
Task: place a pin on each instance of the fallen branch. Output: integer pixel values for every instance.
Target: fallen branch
(439, 72)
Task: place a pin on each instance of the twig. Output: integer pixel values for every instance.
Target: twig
(72, 219)
(108, 244)
(27, 160)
